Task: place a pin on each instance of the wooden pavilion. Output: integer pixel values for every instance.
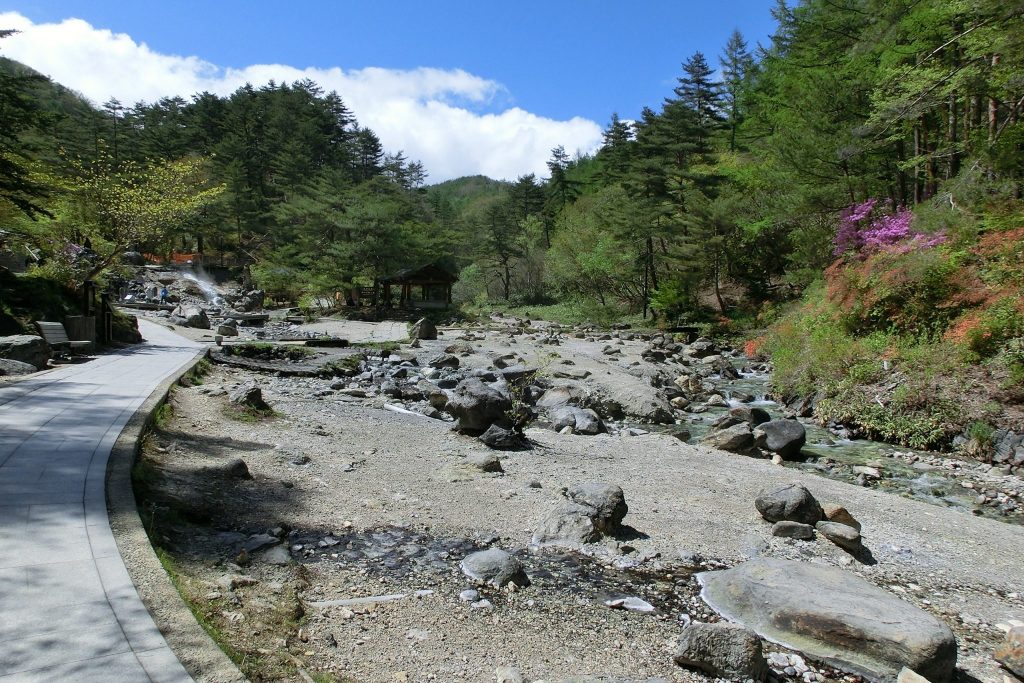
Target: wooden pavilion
(425, 287)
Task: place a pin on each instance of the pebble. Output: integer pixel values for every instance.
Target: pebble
(469, 595)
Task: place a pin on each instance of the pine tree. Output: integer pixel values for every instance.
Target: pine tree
(737, 67)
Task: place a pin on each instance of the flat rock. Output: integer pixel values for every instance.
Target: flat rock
(722, 650)
(787, 529)
(837, 513)
(495, 567)
(15, 367)
(846, 537)
(832, 615)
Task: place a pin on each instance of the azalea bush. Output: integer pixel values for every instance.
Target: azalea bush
(868, 228)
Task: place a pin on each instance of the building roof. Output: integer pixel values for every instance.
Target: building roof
(425, 275)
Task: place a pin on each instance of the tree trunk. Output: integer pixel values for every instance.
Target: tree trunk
(917, 163)
(993, 108)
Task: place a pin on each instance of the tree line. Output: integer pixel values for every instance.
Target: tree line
(727, 192)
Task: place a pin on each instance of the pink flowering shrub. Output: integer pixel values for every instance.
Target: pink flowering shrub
(863, 230)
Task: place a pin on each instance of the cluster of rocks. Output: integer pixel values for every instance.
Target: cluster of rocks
(751, 431)
(796, 513)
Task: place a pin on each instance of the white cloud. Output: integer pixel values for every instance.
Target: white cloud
(429, 113)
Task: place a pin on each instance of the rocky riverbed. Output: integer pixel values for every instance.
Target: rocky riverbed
(355, 490)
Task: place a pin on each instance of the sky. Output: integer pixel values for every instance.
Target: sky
(465, 87)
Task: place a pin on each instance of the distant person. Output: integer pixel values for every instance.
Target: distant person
(164, 294)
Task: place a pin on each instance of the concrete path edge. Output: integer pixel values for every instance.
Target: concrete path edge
(195, 649)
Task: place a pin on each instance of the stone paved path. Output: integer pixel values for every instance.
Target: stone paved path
(68, 610)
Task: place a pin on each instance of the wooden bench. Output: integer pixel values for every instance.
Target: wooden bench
(57, 337)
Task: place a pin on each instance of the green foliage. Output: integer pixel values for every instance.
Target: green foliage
(901, 422)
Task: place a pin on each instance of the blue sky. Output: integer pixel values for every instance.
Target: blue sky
(540, 68)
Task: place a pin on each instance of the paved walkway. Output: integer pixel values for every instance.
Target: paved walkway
(68, 610)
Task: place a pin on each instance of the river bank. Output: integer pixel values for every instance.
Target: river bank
(356, 493)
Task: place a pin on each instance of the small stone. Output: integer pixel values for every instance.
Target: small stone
(506, 674)
(495, 567)
(723, 650)
(633, 604)
(787, 529)
(469, 595)
(837, 513)
(910, 676)
(484, 462)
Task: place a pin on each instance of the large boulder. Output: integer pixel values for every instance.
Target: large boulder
(590, 511)
(608, 501)
(191, 316)
(477, 406)
(790, 503)
(495, 567)
(1011, 653)
(11, 368)
(832, 615)
(785, 437)
(423, 329)
(735, 439)
(27, 348)
(568, 524)
(248, 395)
(751, 415)
(250, 301)
(722, 650)
(581, 420)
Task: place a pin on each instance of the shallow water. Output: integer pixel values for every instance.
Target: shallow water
(830, 456)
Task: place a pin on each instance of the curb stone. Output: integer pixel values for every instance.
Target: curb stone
(189, 641)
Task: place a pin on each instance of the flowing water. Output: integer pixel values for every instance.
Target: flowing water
(834, 457)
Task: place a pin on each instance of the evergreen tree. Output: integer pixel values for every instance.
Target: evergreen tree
(737, 67)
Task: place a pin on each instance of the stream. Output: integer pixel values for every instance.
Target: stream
(934, 478)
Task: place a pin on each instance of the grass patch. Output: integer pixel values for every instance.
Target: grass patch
(162, 414)
(268, 351)
(384, 347)
(248, 663)
(347, 366)
(196, 375)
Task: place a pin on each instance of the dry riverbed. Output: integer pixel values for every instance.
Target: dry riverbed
(350, 500)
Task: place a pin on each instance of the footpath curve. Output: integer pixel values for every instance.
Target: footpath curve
(70, 610)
